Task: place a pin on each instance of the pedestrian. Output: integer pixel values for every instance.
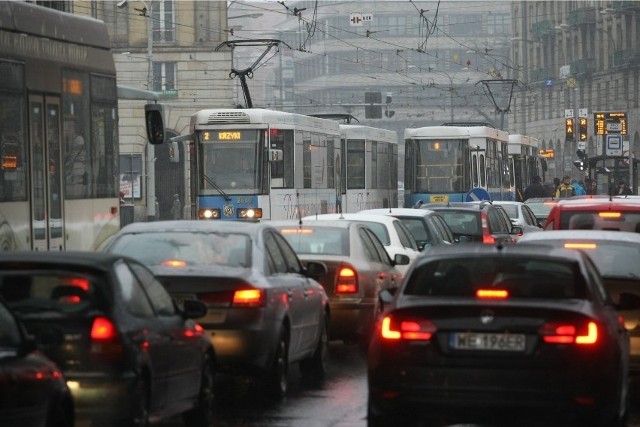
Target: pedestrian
(176, 207)
(565, 189)
(556, 184)
(579, 189)
(623, 189)
(535, 189)
(593, 187)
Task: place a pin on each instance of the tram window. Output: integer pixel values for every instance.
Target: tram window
(482, 171)
(77, 155)
(330, 163)
(355, 164)
(13, 159)
(282, 171)
(306, 159)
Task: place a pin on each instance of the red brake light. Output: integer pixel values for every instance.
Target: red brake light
(492, 293)
(103, 329)
(407, 329)
(347, 282)
(249, 298)
(487, 238)
(567, 333)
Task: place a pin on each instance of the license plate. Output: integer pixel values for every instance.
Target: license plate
(181, 298)
(480, 341)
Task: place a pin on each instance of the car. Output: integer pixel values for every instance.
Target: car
(128, 354)
(521, 215)
(480, 334)
(597, 212)
(358, 268)
(616, 255)
(540, 206)
(394, 235)
(476, 222)
(265, 310)
(33, 390)
(426, 226)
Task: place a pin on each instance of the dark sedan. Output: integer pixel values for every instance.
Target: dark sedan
(128, 355)
(264, 309)
(480, 334)
(33, 392)
(358, 268)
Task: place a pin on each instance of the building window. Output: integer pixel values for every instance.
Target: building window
(164, 76)
(163, 21)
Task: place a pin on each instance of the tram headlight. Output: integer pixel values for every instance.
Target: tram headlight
(209, 214)
(250, 213)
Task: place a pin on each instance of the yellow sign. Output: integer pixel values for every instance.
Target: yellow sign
(438, 198)
(571, 82)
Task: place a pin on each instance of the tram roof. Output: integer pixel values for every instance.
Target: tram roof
(240, 116)
(456, 132)
(523, 140)
(368, 132)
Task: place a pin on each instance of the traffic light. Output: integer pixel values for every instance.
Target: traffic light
(568, 129)
(580, 164)
(582, 128)
(373, 107)
(154, 120)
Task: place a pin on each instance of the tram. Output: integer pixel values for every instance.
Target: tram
(456, 163)
(525, 162)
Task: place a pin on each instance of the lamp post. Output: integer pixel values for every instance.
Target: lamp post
(450, 77)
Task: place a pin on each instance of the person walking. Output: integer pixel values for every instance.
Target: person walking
(535, 189)
(579, 189)
(623, 189)
(565, 189)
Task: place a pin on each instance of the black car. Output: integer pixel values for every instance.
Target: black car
(128, 354)
(476, 222)
(482, 334)
(265, 310)
(33, 391)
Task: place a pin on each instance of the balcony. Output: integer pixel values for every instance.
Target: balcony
(585, 16)
(583, 66)
(625, 5)
(625, 57)
(543, 28)
(541, 74)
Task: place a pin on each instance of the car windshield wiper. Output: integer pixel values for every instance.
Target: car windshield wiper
(215, 186)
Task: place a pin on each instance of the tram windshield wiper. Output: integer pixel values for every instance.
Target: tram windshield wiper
(215, 186)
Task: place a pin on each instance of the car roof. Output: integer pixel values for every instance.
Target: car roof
(195, 225)
(335, 223)
(598, 201)
(74, 259)
(458, 251)
(398, 212)
(623, 236)
(474, 206)
(385, 219)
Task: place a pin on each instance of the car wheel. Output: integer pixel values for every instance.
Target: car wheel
(318, 364)
(201, 415)
(277, 376)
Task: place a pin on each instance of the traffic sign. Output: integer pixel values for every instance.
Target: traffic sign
(477, 194)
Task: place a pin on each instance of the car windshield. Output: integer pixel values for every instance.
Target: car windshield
(29, 292)
(171, 248)
(605, 219)
(515, 277)
(318, 240)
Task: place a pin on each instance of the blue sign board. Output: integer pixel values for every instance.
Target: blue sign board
(477, 194)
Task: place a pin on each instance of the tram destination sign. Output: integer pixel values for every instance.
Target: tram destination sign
(610, 122)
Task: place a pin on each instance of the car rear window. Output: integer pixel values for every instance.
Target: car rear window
(318, 240)
(60, 291)
(193, 248)
(520, 277)
(606, 219)
(462, 222)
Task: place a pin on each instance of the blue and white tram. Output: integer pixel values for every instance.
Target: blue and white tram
(256, 164)
(370, 167)
(525, 162)
(456, 163)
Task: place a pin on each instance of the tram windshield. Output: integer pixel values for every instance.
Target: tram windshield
(230, 161)
(439, 166)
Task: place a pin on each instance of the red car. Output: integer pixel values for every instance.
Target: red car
(617, 213)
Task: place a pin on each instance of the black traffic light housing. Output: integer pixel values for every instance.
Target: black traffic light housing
(154, 121)
(373, 105)
(580, 164)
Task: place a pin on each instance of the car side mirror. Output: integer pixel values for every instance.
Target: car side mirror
(401, 259)
(516, 229)
(315, 269)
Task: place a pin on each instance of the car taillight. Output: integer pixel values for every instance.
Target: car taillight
(569, 333)
(492, 294)
(249, 298)
(106, 345)
(487, 238)
(347, 281)
(394, 329)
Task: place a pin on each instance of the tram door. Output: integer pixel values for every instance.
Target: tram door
(46, 197)
(478, 169)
